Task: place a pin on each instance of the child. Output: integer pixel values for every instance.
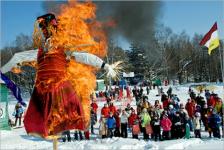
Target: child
(111, 123)
(166, 126)
(197, 125)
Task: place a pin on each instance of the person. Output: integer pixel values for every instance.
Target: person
(145, 120)
(197, 125)
(105, 111)
(177, 122)
(156, 127)
(124, 123)
(55, 104)
(169, 92)
(111, 123)
(76, 133)
(18, 113)
(103, 127)
(66, 134)
(166, 126)
(147, 90)
(118, 123)
(93, 120)
(214, 122)
(112, 108)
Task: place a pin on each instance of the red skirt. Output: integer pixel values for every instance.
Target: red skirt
(54, 110)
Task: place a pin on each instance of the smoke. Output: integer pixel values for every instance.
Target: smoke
(134, 21)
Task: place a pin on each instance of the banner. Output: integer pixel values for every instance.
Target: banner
(130, 74)
(4, 116)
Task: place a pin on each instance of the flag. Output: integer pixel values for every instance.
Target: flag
(15, 90)
(4, 115)
(211, 39)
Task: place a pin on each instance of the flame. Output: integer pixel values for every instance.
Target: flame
(78, 26)
(16, 70)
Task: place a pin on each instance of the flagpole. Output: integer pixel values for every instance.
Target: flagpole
(222, 71)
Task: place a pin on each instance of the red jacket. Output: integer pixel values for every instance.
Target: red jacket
(211, 101)
(132, 119)
(118, 120)
(95, 106)
(190, 107)
(105, 111)
(166, 124)
(112, 109)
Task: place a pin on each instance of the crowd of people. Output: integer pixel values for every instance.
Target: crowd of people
(164, 119)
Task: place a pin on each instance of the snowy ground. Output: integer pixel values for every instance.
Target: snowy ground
(18, 139)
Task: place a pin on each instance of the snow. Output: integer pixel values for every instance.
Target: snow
(18, 139)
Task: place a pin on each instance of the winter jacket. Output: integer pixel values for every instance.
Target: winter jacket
(124, 117)
(118, 120)
(196, 122)
(166, 124)
(190, 107)
(105, 111)
(112, 109)
(211, 101)
(218, 107)
(103, 128)
(214, 121)
(94, 106)
(132, 119)
(145, 119)
(111, 123)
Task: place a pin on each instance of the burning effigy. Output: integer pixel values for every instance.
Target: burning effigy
(70, 50)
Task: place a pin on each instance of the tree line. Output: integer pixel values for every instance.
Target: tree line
(167, 56)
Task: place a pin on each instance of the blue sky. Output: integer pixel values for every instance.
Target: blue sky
(191, 16)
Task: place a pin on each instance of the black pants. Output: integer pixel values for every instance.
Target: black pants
(110, 132)
(178, 132)
(166, 135)
(17, 120)
(197, 133)
(156, 133)
(117, 132)
(145, 135)
(92, 129)
(76, 135)
(124, 130)
(66, 133)
(135, 136)
(216, 132)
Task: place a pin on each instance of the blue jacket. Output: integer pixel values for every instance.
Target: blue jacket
(111, 122)
(214, 121)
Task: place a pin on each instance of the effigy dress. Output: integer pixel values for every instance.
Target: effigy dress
(54, 106)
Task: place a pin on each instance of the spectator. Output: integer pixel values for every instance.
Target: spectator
(124, 123)
(145, 120)
(111, 123)
(112, 108)
(156, 127)
(166, 126)
(214, 123)
(18, 113)
(103, 127)
(105, 111)
(64, 134)
(197, 125)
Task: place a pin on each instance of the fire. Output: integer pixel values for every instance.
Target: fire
(78, 26)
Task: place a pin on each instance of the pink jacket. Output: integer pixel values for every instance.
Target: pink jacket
(166, 124)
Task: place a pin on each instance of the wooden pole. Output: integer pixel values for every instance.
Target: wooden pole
(55, 143)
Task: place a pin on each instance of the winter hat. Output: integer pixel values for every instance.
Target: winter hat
(144, 110)
(170, 106)
(197, 114)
